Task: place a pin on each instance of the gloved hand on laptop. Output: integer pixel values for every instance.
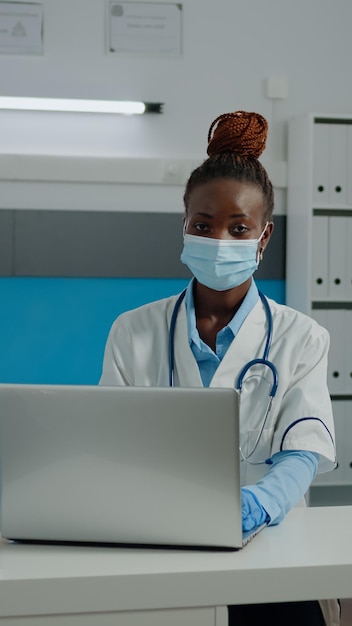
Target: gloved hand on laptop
(253, 514)
(286, 482)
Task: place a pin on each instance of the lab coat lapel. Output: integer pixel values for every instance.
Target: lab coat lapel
(247, 345)
(186, 368)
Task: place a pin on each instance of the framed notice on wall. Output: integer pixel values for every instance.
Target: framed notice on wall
(140, 28)
(21, 28)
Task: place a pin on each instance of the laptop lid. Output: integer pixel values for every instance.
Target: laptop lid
(124, 465)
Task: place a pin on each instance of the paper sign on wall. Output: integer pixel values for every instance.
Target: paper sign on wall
(144, 28)
(21, 27)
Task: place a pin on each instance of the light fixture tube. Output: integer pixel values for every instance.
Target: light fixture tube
(79, 106)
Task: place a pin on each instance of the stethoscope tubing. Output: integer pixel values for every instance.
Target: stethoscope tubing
(172, 337)
(264, 360)
(259, 361)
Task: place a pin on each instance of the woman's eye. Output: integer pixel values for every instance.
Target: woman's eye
(240, 229)
(200, 227)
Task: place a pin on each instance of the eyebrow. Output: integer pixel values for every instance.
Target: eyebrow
(209, 216)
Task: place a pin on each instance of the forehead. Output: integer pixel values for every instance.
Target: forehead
(227, 195)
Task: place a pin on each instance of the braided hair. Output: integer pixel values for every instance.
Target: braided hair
(235, 141)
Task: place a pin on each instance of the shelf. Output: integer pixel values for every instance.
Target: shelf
(331, 304)
(342, 211)
(341, 396)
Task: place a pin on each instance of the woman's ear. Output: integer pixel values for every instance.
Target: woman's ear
(265, 239)
(268, 232)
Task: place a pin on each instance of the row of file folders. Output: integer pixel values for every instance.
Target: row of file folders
(339, 323)
(331, 258)
(332, 172)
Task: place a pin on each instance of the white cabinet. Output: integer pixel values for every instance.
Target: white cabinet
(319, 256)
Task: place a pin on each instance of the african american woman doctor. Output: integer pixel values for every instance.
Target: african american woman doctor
(221, 323)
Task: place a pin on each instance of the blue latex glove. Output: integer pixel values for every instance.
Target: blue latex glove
(289, 477)
(253, 514)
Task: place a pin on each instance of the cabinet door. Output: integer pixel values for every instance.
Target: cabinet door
(319, 283)
(338, 322)
(337, 253)
(347, 444)
(338, 164)
(321, 139)
(347, 371)
(331, 164)
(349, 164)
(349, 257)
(335, 320)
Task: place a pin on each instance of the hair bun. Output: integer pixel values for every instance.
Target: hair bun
(240, 133)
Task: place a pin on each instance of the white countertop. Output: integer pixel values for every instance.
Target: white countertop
(308, 556)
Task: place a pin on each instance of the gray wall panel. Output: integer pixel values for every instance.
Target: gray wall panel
(59, 243)
(6, 242)
(103, 244)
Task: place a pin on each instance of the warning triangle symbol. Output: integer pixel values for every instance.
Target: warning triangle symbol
(19, 30)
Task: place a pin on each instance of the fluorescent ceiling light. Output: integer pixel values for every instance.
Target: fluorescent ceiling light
(80, 106)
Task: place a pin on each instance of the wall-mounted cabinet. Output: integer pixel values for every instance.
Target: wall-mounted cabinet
(319, 257)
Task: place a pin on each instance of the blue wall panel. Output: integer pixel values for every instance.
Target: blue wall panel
(53, 330)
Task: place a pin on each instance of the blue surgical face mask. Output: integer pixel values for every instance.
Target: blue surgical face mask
(221, 264)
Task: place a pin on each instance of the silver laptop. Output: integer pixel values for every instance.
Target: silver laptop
(121, 465)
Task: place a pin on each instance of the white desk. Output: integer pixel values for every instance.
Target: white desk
(308, 556)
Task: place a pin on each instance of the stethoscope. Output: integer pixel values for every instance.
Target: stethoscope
(260, 361)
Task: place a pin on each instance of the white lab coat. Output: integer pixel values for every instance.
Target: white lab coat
(136, 353)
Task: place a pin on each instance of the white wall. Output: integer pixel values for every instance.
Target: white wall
(229, 50)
